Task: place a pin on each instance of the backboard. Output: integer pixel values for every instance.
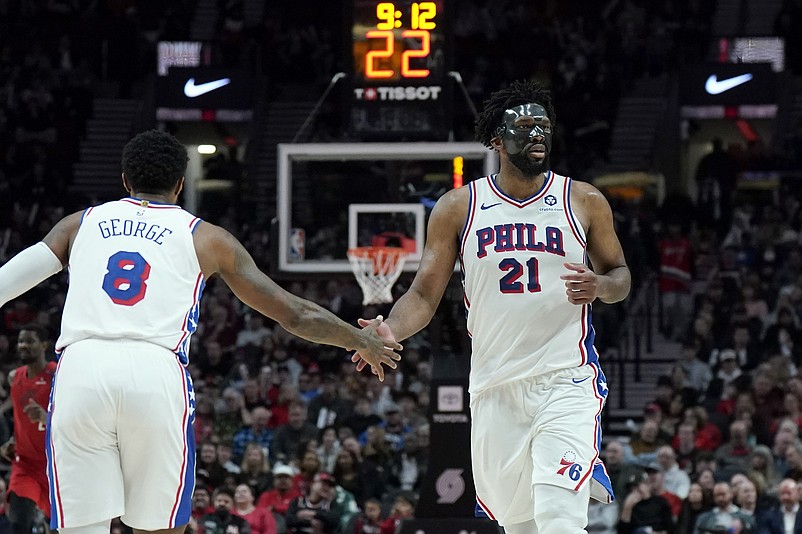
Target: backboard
(332, 196)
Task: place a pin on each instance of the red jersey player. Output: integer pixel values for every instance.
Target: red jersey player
(30, 392)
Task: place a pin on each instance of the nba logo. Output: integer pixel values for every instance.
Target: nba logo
(297, 248)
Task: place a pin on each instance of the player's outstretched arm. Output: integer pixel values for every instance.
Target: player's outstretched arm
(38, 262)
(220, 252)
(415, 308)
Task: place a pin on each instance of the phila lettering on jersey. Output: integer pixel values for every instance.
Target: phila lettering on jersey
(512, 254)
(134, 274)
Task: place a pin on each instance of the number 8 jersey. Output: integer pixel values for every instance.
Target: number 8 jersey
(134, 274)
(512, 254)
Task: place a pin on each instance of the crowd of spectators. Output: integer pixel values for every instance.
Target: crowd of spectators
(289, 435)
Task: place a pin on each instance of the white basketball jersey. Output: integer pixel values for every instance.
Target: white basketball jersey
(512, 254)
(134, 274)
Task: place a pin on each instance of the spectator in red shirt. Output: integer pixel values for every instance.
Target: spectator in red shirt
(283, 493)
(403, 508)
(201, 502)
(708, 436)
(676, 261)
(369, 521)
(309, 467)
(259, 518)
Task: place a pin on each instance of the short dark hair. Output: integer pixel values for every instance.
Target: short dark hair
(517, 94)
(154, 162)
(40, 331)
(222, 490)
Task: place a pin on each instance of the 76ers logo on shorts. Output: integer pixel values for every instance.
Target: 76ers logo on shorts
(569, 465)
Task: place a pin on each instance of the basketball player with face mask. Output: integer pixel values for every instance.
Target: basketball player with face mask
(535, 249)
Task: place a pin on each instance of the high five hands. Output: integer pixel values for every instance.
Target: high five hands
(581, 285)
(362, 360)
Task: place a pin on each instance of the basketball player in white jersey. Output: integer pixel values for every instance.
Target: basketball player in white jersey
(535, 250)
(119, 435)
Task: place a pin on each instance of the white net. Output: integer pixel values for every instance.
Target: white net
(376, 269)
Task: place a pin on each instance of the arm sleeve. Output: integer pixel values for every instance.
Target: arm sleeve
(26, 270)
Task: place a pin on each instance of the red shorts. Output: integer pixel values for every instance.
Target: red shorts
(31, 483)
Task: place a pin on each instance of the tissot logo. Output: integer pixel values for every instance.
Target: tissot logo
(714, 86)
(192, 90)
(424, 92)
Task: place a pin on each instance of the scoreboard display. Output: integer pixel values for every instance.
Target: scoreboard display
(400, 63)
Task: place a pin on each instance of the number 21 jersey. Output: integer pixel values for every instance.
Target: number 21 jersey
(134, 274)
(512, 254)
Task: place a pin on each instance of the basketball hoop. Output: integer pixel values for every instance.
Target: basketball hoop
(376, 269)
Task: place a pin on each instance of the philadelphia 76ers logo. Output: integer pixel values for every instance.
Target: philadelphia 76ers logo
(568, 463)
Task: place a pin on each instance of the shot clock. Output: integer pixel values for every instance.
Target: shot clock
(401, 57)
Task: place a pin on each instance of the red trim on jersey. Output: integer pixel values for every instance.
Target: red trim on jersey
(183, 474)
(595, 427)
(569, 214)
(485, 508)
(56, 490)
(87, 211)
(194, 221)
(186, 317)
(522, 203)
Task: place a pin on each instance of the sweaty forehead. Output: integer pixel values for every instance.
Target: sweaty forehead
(529, 110)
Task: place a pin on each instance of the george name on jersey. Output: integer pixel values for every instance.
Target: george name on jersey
(127, 227)
(519, 236)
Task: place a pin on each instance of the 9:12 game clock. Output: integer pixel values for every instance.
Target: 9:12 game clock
(400, 54)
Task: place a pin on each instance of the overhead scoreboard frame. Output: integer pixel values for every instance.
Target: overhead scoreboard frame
(301, 152)
(400, 60)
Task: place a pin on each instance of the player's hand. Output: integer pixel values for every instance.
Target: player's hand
(581, 284)
(383, 342)
(8, 450)
(35, 413)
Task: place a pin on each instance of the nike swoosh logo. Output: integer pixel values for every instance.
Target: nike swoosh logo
(579, 380)
(714, 86)
(192, 90)
(488, 207)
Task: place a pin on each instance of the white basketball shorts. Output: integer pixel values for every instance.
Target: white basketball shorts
(541, 430)
(119, 436)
